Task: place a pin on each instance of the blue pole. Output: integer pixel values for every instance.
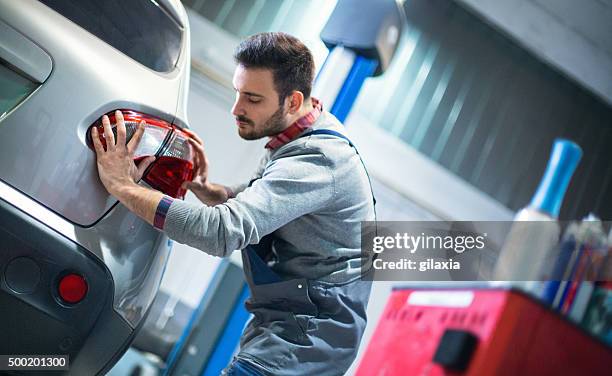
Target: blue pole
(230, 337)
(362, 68)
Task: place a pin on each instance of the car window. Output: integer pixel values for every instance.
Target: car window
(13, 88)
(140, 29)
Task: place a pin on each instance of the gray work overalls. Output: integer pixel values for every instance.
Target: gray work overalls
(300, 326)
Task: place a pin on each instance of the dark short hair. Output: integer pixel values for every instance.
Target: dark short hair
(289, 59)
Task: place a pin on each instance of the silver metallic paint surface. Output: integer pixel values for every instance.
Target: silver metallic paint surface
(21, 52)
(136, 255)
(89, 78)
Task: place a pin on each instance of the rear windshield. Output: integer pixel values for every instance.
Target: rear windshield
(13, 88)
(138, 28)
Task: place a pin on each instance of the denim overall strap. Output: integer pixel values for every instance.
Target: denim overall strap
(258, 271)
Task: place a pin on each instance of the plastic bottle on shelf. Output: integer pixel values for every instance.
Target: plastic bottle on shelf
(529, 248)
(586, 269)
(567, 251)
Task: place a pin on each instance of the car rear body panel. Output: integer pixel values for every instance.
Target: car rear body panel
(46, 155)
(19, 51)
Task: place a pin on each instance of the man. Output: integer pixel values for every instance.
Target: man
(297, 222)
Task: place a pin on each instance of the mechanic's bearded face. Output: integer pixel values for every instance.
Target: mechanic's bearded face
(256, 109)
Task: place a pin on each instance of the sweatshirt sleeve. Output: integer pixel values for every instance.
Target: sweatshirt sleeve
(290, 187)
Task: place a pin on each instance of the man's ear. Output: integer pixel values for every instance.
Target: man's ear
(296, 99)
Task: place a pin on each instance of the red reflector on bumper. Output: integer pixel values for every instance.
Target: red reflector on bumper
(72, 288)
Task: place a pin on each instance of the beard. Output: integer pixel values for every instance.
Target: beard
(274, 125)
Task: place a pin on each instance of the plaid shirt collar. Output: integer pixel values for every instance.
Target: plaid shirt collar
(295, 129)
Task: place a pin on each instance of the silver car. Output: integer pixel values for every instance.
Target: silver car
(78, 271)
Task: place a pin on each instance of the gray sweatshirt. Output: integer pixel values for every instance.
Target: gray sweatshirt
(310, 195)
(313, 193)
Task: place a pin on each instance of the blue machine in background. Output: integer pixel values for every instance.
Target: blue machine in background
(362, 36)
(213, 331)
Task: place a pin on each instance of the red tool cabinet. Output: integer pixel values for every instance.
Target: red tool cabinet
(478, 332)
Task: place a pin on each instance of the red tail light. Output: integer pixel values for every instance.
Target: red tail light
(72, 288)
(174, 163)
(173, 167)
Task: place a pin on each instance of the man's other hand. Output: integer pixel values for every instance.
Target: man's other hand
(199, 184)
(207, 192)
